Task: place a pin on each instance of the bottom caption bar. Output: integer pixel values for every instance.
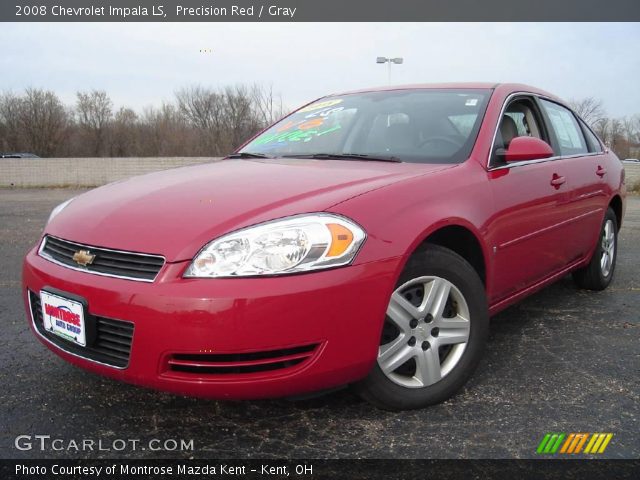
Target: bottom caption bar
(318, 469)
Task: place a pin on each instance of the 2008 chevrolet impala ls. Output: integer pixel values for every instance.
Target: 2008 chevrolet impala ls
(363, 240)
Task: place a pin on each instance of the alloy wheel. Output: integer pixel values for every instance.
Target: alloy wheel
(608, 244)
(426, 332)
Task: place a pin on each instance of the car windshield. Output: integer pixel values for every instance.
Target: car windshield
(419, 126)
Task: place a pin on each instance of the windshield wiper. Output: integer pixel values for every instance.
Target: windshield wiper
(248, 155)
(347, 156)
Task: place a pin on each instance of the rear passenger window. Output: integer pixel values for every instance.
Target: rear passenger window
(566, 128)
(592, 140)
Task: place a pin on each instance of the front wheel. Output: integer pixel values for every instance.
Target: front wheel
(598, 273)
(434, 333)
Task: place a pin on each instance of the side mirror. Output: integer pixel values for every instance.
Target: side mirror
(527, 148)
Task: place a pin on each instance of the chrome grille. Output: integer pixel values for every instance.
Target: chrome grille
(112, 263)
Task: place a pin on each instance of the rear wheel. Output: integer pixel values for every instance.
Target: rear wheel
(599, 272)
(434, 333)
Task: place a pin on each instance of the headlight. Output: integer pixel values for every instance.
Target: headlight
(294, 244)
(58, 209)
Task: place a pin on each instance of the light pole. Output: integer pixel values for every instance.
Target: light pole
(389, 61)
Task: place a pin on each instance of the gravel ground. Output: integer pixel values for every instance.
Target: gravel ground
(563, 360)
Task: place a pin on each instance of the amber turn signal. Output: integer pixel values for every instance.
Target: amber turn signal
(341, 239)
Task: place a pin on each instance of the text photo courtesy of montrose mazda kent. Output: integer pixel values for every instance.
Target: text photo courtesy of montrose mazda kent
(363, 240)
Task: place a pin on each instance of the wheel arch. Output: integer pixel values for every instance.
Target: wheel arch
(461, 238)
(616, 205)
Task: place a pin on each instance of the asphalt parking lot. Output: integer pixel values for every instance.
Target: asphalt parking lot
(564, 360)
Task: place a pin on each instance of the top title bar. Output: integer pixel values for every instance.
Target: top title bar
(319, 10)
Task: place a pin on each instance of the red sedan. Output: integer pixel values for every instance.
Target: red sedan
(363, 240)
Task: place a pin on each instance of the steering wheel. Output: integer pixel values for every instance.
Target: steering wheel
(441, 138)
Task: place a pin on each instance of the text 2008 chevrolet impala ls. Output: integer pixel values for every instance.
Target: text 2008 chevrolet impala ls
(365, 239)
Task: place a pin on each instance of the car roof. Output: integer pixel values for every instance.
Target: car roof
(502, 87)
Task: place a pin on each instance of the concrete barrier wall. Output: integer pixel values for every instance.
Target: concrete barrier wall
(83, 172)
(632, 173)
(92, 172)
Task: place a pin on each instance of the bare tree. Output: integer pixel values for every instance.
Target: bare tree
(203, 109)
(124, 134)
(618, 142)
(268, 108)
(198, 105)
(589, 109)
(94, 111)
(631, 133)
(44, 122)
(224, 118)
(240, 116)
(164, 132)
(629, 129)
(202, 121)
(601, 127)
(10, 131)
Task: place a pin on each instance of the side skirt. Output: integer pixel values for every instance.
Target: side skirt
(500, 305)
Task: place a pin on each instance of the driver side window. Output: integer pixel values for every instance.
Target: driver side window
(520, 119)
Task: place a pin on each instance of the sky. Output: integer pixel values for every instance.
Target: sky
(141, 64)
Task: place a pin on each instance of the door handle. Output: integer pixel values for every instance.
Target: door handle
(557, 180)
(601, 172)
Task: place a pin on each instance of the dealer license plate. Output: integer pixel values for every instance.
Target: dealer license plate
(64, 317)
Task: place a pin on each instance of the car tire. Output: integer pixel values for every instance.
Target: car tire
(598, 273)
(435, 368)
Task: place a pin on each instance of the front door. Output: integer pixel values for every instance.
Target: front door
(528, 231)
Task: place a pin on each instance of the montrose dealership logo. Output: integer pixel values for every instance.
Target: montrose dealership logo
(574, 443)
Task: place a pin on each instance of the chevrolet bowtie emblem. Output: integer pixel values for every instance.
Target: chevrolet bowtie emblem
(83, 257)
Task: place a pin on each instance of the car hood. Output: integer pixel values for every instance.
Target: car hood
(175, 212)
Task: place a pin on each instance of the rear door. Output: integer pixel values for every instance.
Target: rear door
(527, 231)
(583, 158)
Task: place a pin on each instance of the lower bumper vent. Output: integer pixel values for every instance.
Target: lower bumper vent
(112, 343)
(240, 363)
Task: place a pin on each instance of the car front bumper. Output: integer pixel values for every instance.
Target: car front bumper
(242, 338)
